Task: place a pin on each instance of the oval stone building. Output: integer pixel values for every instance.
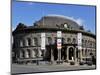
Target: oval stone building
(27, 40)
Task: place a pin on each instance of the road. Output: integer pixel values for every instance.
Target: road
(31, 68)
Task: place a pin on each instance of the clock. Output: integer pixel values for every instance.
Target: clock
(65, 25)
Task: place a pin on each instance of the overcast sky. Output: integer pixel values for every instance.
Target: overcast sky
(29, 12)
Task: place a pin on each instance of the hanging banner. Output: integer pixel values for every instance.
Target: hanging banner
(79, 37)
(59, 34)
(59, 39)
(43, 41)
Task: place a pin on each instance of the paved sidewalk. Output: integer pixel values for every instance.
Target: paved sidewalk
(33, 68)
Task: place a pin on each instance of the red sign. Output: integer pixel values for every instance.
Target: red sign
(59, 43)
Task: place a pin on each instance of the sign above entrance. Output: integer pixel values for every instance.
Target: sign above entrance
(42, 41)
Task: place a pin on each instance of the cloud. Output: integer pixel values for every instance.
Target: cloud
(13, 28)
(79, 21)
(30, 3)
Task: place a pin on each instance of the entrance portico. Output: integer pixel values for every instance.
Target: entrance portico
(68, 52)
(71, 53)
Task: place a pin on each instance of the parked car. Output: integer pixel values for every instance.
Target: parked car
(72, 62)
(86, 60)
(81, 63)
(94, 60)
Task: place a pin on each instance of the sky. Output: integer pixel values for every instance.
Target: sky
(30, 12)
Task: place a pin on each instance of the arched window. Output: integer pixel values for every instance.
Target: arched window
(35, 41)
(29, 41)
(74, 40)
(22, 54)
(55, 40)
(49, 40)
(36, 52)
(85, 52)
(29, 53)
(88, 43)
(92, 44)
(16, 43)
(82, 43)
(21, 43)
(71, 53)
(63, 40)
(82, 52)
(85, 43)
(32, 53)
(68, 40)
(26, 54)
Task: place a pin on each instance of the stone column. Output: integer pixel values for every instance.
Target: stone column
(39, 52)
(84, 52)
(59, 55)
(75, 54)
(17, 54)
(26, 42)
(52, 57)
(21, 43)
(67, 54)
(31, 41)
(20, 53)
(31, 53)
(87, 51)
(26, 54)
(80, 54)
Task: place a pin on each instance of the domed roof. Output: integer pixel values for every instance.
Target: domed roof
(52, 23)
(55, 21)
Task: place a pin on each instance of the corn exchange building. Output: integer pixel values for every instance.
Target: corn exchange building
(27, 41)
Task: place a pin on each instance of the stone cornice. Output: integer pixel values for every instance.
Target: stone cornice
(34, 30)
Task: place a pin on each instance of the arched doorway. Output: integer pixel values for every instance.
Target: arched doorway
(63, 53)
(71, 53)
